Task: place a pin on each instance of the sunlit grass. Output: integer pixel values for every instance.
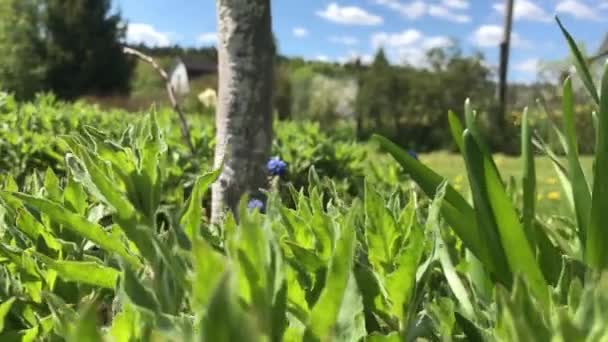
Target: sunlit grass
(550, 198)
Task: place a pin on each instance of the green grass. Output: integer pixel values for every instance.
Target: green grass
(549, 191)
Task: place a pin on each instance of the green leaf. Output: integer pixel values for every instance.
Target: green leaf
(85, 328)
(79, 225)
(521, 260)
(225, 321)
(401, 283)
(580, 64)
(580, 188)
(456, 210)
(208, 266)
(445, 260)
(5, 308)
(476, 169)
(137, 293)
(86, 272)
(51, 185)
(325, 312)
(381, 231)
(456, 129)
(528, 179)
(597, 237)
(191, 219)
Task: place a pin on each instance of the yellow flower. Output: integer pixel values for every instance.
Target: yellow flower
(458, 179)
(551, 180)
(553, 195)
(457, 187)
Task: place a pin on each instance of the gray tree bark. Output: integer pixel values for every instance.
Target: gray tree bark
(244, 109)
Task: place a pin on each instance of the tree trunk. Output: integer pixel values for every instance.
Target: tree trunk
(244, 108)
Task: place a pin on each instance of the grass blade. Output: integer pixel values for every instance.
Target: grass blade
(528, 179)
(521, 260)
(596, 253)
(580, 188)
(456, 129)
(580, 64)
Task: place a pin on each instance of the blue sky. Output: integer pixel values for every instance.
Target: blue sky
(338, 30)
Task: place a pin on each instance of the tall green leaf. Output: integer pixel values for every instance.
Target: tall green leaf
(521, 259)
(528, 178)
(597, 237)
(580, 64)
(580, 188)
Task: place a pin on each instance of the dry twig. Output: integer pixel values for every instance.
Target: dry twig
(170, 93)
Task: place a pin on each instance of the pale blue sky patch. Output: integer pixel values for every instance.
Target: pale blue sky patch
(342, 29)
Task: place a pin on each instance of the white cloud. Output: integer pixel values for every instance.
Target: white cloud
(349, 15)
(577, 9)
(344, 40)
(405, 38)
(411, 10)
(529, 66)
(525, 10)
(322, 58)
(458, 4)
(300, 32)
(437, 42)
(491, 36)
(409, 46)
(207, 38)
(139, 33)
(418, 8)
(446, 13)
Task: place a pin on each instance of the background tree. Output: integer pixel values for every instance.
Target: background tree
(22, 70)
(244, 114)
(84, 48)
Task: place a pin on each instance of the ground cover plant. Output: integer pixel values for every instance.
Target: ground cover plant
(112, 242)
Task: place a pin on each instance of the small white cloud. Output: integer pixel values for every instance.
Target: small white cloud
(139, 33)
(525, 10)
(322, 58)
(577, 9)
(207, 38)
(458, 4)
(411, 10)
(344, 40)
(300, 32)
(438, 42)
(410, 46)
(446, 13)
(407, 37)
(529, 66)
(349, 15)
(491, 36)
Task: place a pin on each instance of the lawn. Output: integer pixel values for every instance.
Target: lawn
(549, 191)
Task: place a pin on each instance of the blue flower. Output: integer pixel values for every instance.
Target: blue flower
(276, 167)
(256, 204)
(412, 154)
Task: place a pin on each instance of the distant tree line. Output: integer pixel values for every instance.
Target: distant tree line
(70, 47)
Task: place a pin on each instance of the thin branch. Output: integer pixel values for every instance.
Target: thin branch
(170, 93)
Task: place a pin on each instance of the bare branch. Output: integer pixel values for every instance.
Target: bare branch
(170, 93)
